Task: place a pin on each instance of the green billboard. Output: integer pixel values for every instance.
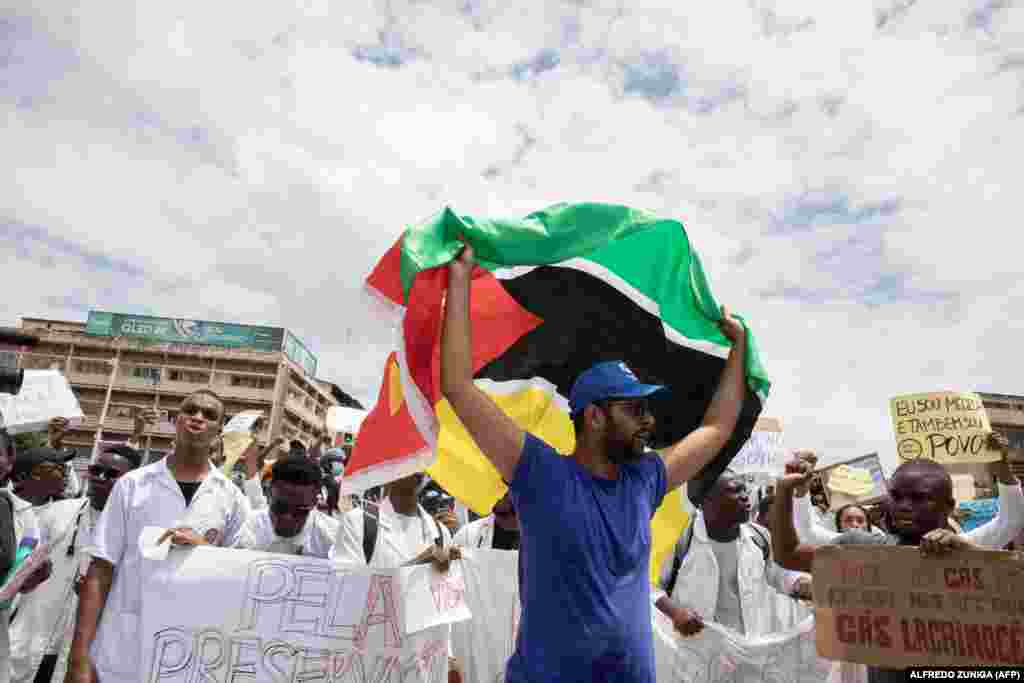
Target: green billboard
(299, 354)
(184, 331)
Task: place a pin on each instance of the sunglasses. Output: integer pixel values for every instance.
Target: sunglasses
(632, 408)
(104, 473)
(211, 414)
(279, 507)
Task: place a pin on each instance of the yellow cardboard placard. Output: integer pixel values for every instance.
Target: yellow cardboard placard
(945, 426)
(852, 481)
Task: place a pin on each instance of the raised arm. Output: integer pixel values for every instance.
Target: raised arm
(1010, 518)
(687, 458)
(495, 433)
(786, 547)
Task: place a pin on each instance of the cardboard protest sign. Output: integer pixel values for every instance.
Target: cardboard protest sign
(44, 395)
(763, 453)
(945, 426)
(269, 618)
(860, 480)
(888, 606)
(433, 599)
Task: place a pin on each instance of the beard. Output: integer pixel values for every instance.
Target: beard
(622, 451)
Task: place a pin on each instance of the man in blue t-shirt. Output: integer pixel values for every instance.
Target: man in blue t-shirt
(585, 519)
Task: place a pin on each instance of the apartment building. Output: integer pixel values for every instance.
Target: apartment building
(117, 363)
(1006, 413)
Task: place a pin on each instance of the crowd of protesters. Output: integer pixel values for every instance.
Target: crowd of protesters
(581, 524)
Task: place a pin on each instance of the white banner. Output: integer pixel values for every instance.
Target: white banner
(483, 644)
(762, 454)
(44, 395)
(718, 655)
(210, 614)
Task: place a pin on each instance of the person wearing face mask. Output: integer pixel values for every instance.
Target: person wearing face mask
(291, 524)
(183, 493)
(332, 463)
(41, 633)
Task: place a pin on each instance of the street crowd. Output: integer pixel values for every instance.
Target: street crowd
(581, 524)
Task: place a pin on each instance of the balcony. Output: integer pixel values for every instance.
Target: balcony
(298, 408)
(88, 378)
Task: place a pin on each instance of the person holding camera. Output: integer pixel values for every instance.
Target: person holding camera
(19, 531)
(41, 635)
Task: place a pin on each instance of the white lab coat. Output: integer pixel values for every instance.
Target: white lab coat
(25, 526)
(315, 539)
(478, 534)
(150, 497)
(761, 586)
(46, 616)
(387, 554)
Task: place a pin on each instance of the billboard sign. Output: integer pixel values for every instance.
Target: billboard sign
(299, 354)
(182, 330)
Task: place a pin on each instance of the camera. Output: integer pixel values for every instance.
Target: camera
(434, 501)
(11, 380)
(11, 376)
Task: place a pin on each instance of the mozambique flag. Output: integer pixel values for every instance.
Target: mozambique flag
(553, 294)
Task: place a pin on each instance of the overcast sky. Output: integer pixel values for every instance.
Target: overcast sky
(848, 172)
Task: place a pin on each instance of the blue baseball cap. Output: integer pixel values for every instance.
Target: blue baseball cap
(611, 379)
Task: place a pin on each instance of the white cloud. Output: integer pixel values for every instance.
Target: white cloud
(847, 173)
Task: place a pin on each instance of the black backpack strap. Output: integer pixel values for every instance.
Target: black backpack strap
(371, 512)
(764, 544)
(677, 560)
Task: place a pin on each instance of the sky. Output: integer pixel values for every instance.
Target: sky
(847, 171)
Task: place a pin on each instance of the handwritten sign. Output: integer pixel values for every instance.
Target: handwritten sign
(888, 606)
(860, 480)
(44, 395)
(763, 453)
(946, 427)
(851, 481)
(269, 618)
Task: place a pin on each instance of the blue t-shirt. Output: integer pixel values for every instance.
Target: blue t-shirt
(583, 569)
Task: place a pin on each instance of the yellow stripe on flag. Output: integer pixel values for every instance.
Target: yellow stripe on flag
(469, 476)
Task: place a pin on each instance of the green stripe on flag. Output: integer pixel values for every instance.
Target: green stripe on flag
(651, 254)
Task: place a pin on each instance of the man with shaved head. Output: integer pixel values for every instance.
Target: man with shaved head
(722, 569)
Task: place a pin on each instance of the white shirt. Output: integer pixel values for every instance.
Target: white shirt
(25, 526)
(315, 539)
(995, 533)
(46, 616)
(400, 538)
(477, 534)
(728, 611)
(150, 497)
